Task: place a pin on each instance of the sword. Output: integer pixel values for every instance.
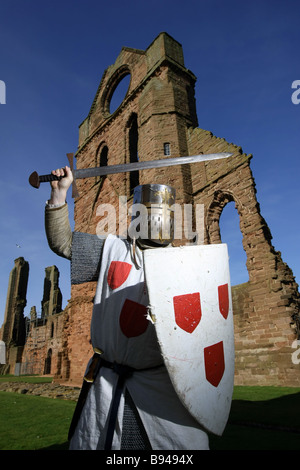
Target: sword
(35, 179)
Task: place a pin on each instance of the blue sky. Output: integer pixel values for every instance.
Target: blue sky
(245, 56)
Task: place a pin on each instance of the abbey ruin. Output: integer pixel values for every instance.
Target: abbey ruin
(157, 119)
(29, 342)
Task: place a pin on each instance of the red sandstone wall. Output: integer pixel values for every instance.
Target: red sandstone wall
(160, 95)
(264, 306)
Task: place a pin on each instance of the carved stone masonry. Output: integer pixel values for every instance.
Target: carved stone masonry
(159, 113)
(156, 119)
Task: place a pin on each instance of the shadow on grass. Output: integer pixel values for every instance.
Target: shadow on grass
(262, 425)
(64, 446)
(271, 424)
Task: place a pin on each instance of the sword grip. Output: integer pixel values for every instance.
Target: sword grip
(48, 178)
(35, 179)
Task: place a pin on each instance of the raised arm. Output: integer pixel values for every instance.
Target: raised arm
(57, 225)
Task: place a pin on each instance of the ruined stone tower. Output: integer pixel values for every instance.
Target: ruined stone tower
(52, 298)
(13, 328)
(157, 119)
(42, 351)
(32, 342)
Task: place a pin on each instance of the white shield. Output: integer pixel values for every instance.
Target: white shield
(190, 303)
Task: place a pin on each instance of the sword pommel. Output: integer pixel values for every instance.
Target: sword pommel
(34, 180)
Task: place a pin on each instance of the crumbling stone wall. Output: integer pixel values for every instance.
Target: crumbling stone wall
(159, 101)
(13, 328)
(42, 353)
(265, 308)
(158, 109)
(36, 342)
(52, 297)
(43, 349)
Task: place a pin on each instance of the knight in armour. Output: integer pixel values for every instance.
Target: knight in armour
(127, 400)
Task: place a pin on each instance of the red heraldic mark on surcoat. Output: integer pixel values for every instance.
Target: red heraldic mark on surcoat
(118, 272)
(133, 321)
(223, 300)
(187, 309)
(214, 363)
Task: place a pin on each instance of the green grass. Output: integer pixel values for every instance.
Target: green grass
(26, 378)
(29, 422)
(261, 418)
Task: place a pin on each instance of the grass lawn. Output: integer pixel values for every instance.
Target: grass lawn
(261, 418)
(26, 378)
(30, 422)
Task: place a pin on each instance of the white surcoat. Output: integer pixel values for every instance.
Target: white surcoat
(122, 328)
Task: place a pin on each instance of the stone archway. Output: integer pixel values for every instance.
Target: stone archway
(219, 201)
(214, 211)
(230, 233)
(265, 307)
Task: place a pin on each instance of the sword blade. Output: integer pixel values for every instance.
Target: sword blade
(136, 166)
(35, 179)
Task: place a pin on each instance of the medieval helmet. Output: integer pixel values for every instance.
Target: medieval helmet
(153, 214)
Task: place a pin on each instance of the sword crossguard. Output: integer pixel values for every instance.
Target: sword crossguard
(70, 157)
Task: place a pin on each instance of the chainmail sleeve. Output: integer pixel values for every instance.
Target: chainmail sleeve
(86, 257)
(58, 230)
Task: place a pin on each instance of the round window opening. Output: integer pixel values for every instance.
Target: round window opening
(119, 93)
